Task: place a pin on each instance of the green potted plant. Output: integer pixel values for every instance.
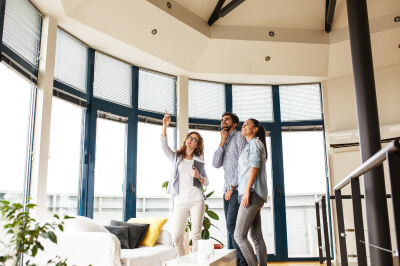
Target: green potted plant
(205, 232)
(24, 233)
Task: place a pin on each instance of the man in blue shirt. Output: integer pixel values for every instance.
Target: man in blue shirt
(227, 155)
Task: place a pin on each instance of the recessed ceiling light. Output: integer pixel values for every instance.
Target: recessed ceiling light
(397, 19)
(267, 58)
(271, 33)
(169, 5)
(154, 32)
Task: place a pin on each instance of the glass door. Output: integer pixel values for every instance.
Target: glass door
(16, 100)
(305, 182)
(110, 168)
(65, 159)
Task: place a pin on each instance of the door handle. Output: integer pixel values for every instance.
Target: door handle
(279, 192)
(131, 190)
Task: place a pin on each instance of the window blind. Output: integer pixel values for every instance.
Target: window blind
(300, 102)
(250, 101)
(71, 61)
(22, 27)
(112, 79)
(206, 99)
(157, 92)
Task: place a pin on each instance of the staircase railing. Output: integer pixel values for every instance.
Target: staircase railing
(391, 153)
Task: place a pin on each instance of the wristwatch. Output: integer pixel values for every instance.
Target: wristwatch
(231, 188)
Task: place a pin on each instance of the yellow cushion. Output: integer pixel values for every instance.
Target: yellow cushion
(156, 225)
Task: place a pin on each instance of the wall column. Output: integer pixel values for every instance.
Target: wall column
(41, 141)
(182, 117)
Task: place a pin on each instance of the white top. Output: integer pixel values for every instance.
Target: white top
(187, 192)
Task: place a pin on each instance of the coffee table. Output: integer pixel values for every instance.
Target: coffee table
(221, 257)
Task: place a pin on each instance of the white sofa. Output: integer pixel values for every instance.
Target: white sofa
(84, 242)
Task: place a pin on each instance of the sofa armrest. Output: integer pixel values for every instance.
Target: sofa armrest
(90, 248)
(164, 238)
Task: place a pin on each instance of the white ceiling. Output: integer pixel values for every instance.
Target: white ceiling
(231, 50)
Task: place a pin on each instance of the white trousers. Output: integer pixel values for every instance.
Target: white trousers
(180, 219)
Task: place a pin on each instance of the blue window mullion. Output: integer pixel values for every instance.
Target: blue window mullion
(130, 200)
(61, 86)
(16, 58)
(228, 98)
(278, 181)
(87, 171)
(2, 14)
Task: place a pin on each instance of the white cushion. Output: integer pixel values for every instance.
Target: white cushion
(148, 256)
(82, 224)
(164, 238)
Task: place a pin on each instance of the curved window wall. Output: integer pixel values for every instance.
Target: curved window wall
(106, 100)
(292, 117)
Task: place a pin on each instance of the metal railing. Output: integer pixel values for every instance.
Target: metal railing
(326, 234)
(325, 227)
(391, 153)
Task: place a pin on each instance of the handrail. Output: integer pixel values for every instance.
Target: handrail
(371, 163)
(391, 153)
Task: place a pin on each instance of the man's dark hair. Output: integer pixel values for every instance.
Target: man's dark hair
(234, 117)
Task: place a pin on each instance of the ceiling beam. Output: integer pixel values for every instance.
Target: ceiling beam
(214, 16)
(220, 12)
(329, 13)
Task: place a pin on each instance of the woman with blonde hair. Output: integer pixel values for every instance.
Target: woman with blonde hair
(188, 198)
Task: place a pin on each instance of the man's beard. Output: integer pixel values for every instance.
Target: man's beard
(226, 127)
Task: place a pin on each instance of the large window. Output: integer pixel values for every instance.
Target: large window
(65, 158)
(216, 179)
(300, 102)
(22, 27)
(110, 169)
(157, 92)
(154, 168)
(112, 79)
(206, 99)
(252, 102)
(304, 168)
(71, 61)
(15, 134)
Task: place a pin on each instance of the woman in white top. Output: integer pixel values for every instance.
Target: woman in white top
(188, 199)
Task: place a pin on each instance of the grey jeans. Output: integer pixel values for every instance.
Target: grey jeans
(249, 219)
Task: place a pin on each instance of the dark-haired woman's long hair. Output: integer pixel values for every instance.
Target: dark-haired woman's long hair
(260, 133)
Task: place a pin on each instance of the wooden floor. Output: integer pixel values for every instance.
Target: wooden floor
(303, 263)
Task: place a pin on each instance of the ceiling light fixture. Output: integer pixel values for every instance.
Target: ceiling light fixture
(154, 32)
(267, 58)
(169, 5)
(271, 33)
(397, 19)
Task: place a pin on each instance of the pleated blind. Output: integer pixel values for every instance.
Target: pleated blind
(112, 79)
(300, 102)
(157, 92)
(22, 27)
(250, 101)
(206, 99)
(71, 61)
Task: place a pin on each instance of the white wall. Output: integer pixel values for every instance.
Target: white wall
(340, 113)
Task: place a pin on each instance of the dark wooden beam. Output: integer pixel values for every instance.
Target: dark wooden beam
(229, 7)
(220, 12)
(329, 12)
(214, 16)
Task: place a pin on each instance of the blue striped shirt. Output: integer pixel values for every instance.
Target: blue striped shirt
(228, 156)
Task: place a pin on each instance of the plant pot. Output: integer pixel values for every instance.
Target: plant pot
(218, 246)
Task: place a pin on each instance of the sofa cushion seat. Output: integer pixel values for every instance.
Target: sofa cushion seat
(149, 256)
